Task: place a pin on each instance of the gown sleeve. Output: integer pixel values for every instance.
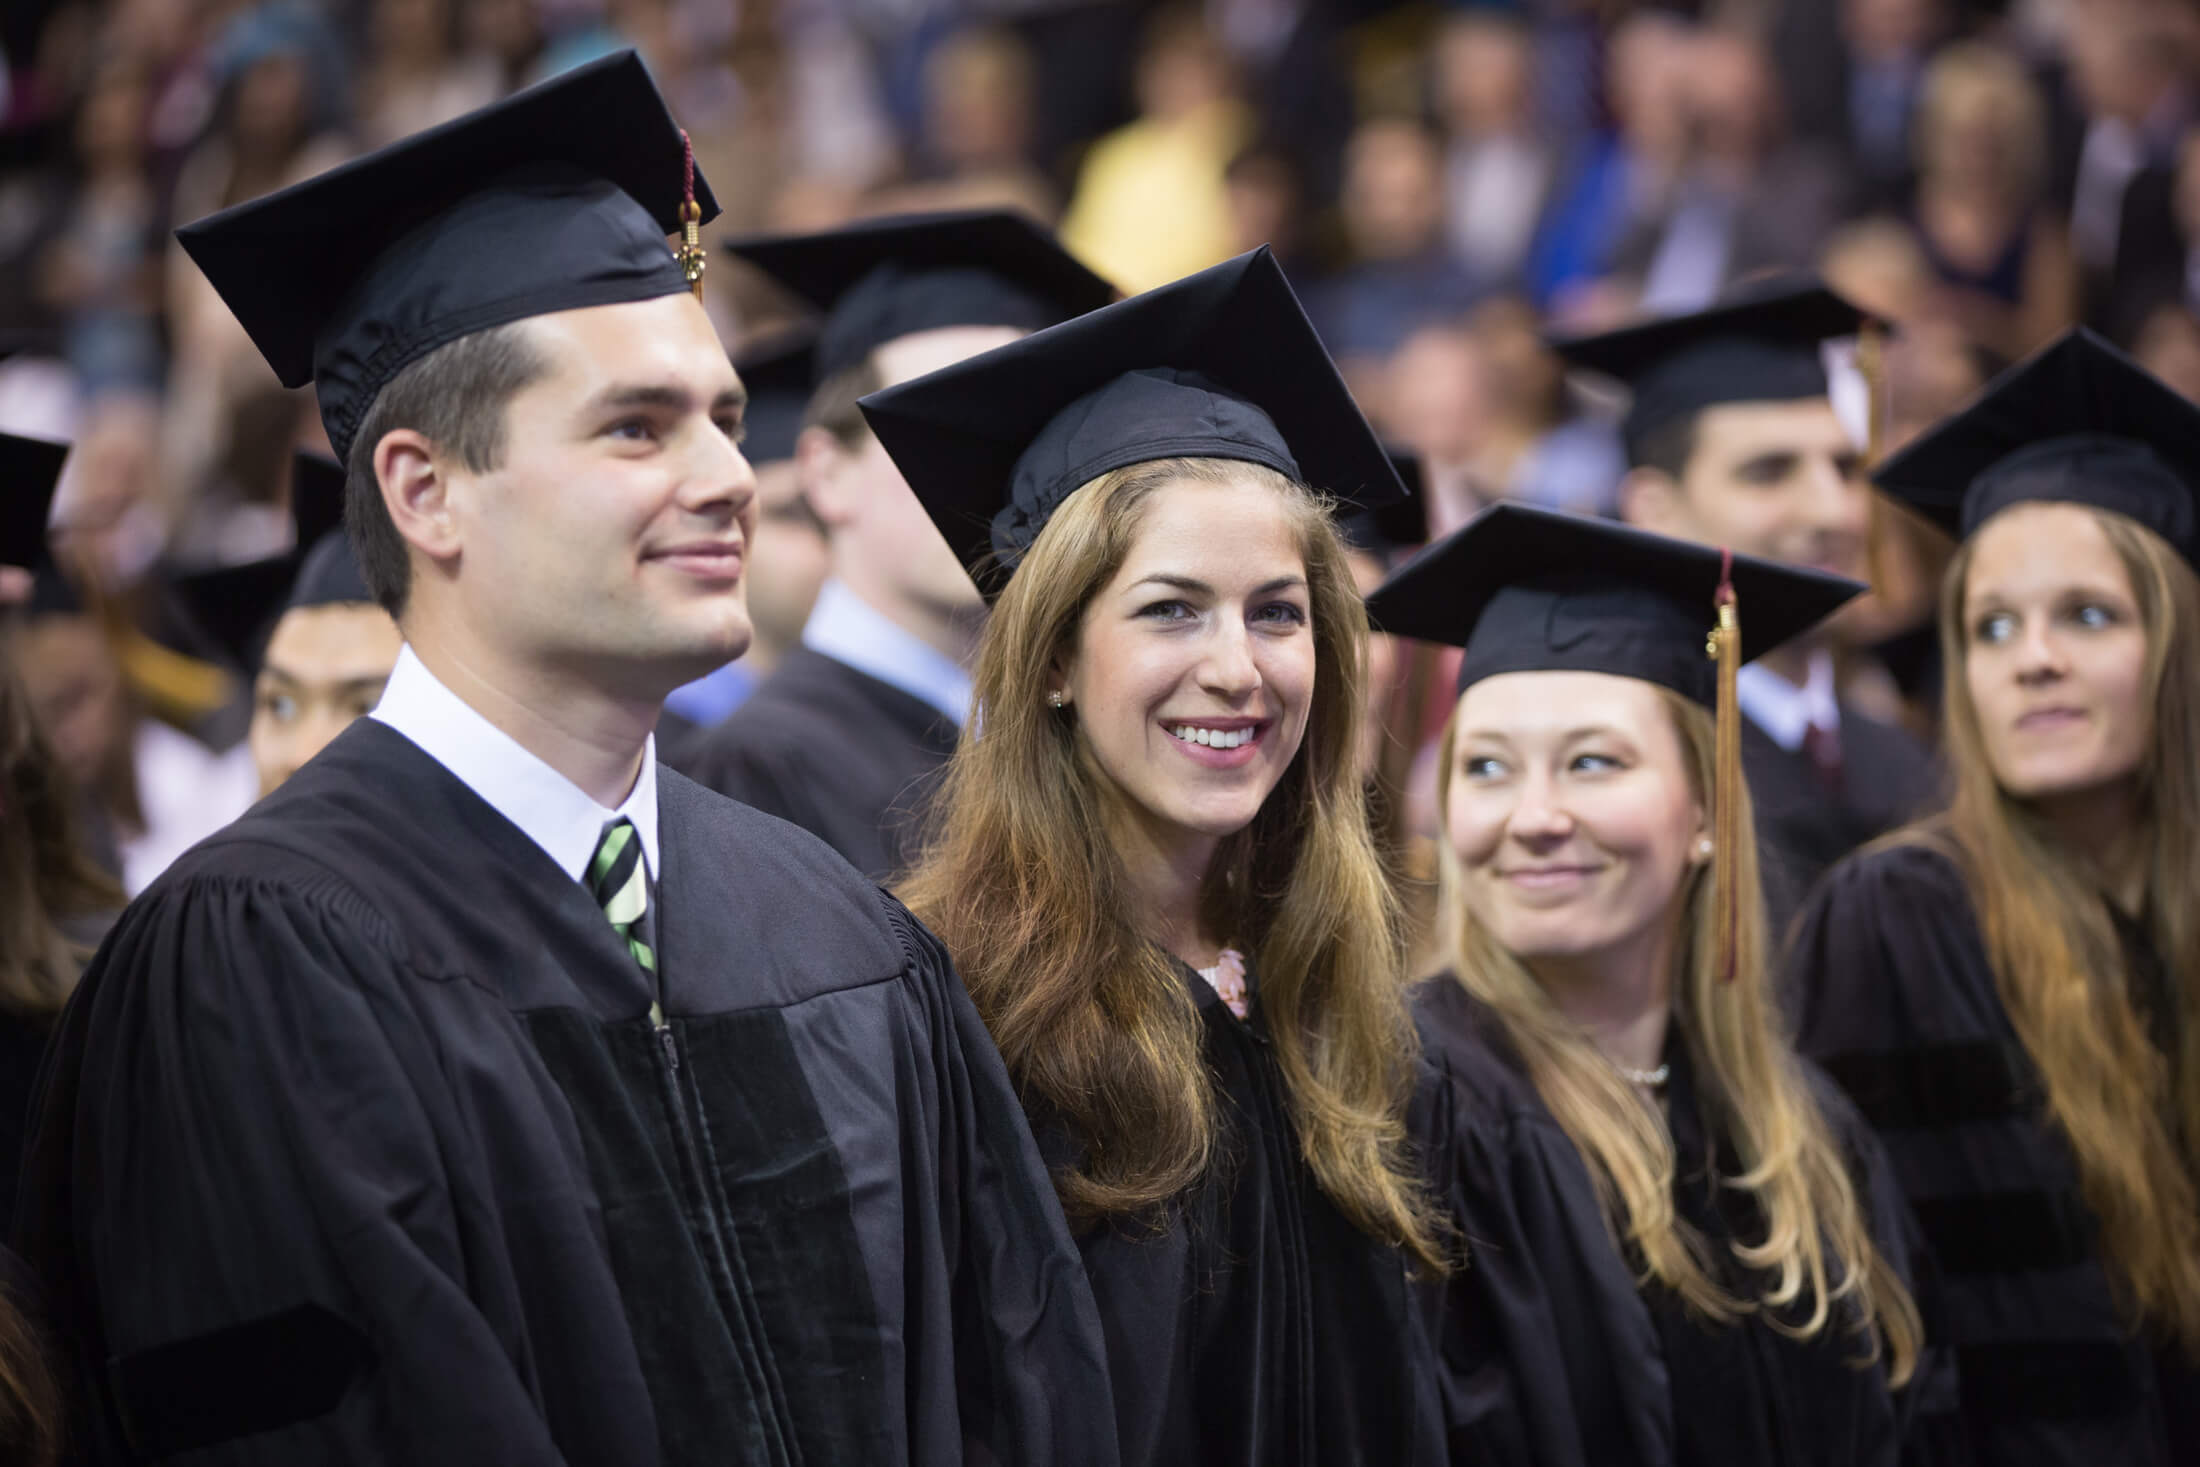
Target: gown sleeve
(1546, 1355)
(243, 1209)
(1030, 1362)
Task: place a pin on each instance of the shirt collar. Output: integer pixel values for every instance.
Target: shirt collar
(549, 809)
(846, 628)
(1785, 712)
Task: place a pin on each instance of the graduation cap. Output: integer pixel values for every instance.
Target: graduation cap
(553, 199)
(1533, 590)
(779, 375)
(1221, 364)
(1523, 589)
(2077, 423)
(30, 469)
(882, 279)
(232, 608)
(1767, 345)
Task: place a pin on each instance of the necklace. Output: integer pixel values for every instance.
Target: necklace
(1648, 1079)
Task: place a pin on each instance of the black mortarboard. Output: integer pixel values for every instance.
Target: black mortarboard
(2078, 423)
(779, 375)
(233, 607)
(30, 468)
(1534, 590)
(1764, 346)
(882, 279)
(556, 198)
(1221, 364)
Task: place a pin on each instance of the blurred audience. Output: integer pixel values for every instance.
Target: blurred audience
(1151, 202)
(2001, 256)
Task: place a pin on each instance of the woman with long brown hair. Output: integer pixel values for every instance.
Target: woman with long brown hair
(1684, 1248)
(2007, 990)
(1153, 863)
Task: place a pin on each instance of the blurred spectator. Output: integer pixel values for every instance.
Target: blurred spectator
(1499, 166)
(415, 76)
(2002, 258)
(2131, 70)
(1537, 450)
(1888, 45)
(1400, 276)
(1435, 401)
(1624, 177)
(1267, 200)
(1150, 204)
(974, 151)
(97, 270)
(1747, 199)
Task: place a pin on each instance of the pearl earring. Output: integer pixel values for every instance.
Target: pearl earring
(1055, 699)
(1704, 848)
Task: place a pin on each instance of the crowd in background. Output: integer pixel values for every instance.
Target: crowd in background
(1446, 185)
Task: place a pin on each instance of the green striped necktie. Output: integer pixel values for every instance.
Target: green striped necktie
(619, 880)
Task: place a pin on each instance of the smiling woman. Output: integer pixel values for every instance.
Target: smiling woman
(1154, 865)
(2008, 991)
(1687, 1247)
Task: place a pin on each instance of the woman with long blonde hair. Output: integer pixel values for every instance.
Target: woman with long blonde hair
(1153, 863)
(2007, 990)
(1683, 1247)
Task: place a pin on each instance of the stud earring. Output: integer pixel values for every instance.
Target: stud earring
(1055, 699)
(1704, 848)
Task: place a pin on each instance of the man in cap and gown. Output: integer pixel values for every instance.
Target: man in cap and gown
(847, 737)
(1732, 441)
(489, 1094)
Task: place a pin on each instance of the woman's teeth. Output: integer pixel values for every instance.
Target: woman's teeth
(1213, 738)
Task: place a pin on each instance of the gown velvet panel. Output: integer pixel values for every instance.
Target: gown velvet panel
(846, 757)
(1253, 1325)
(1899, 1003)
(358, 1145)
(1552, 1356)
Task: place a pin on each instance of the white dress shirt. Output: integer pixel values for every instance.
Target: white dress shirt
(1787, 713)
(549, 809)
(848, 629)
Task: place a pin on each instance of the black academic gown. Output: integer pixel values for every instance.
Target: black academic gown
(358, 1145)
(846, 757)
(1804, 825)
(1899, 1004)
(1552, 1356)
(1259, 1328)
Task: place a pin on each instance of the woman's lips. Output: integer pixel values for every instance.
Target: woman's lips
(2050, 720)
(1253, 732)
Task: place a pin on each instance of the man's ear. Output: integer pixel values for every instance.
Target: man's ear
(416, 493)
(820, 466)
(1649, 499)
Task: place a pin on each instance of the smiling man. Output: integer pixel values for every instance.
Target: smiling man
(488, 1094)
(1732, 441)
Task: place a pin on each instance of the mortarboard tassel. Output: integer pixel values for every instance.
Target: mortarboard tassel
(690, 253)
(1725, 647)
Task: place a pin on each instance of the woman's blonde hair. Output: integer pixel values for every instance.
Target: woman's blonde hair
(1816, 1246)
(2130, 1113)
(1092, 1017)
